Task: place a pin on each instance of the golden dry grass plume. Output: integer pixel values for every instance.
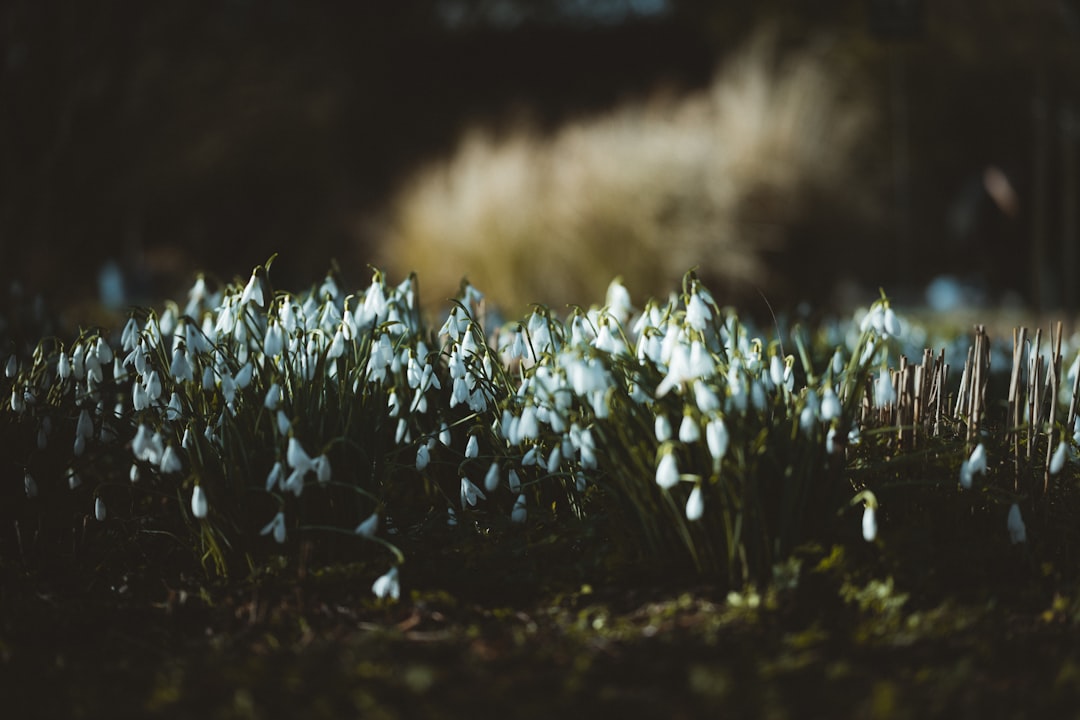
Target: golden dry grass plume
(739, 179)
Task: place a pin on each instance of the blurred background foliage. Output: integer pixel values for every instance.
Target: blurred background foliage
(175, 136)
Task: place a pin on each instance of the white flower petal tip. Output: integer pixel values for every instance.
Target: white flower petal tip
(1057, 463)
(1015, 525)
(387, 586)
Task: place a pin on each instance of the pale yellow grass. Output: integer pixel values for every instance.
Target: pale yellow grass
(719, 179)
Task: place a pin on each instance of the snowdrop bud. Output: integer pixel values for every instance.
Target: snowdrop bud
(133, 473)
(554, 460)
(387, 586)
(80, 446)
(208, 379)
(662, 428)
(869, 523)
(697, 312)
(716, 437)
(63, 367)
(776, 371)
(519, 513)
(369, 527)
(30, 485)
(491, 480)
(444, 435)
(1058, 461)
(1015, 524)
(243, 378)
(199, 505)
(972, 466)
(273, 397)
(99, 509)
(514, 481)
(890, 323)
(277, 527)
(401, 431)
(695, 504)
(689, 431)
(253, 291)
(667, 471)
(472, 448)
(830, 441)
(12, 367)
(423, 457)
(74, 480)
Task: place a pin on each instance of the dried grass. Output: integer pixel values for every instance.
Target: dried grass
(725, 179)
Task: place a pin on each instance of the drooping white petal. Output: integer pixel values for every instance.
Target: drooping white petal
(1015, 524)
(695, 504)
(199, 505)
(387, 586)
(869, 524)
(667, 472)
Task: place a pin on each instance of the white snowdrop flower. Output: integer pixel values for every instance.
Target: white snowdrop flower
(973, 466)
(337, 346)
(253, 291)
(707, 400)
(491, 479)
(470, 493)
(520, 512)
(890, 324)
(837, 362)
(133, 473)
(695, 504)
(30, 485)
(99, 509)
(273, 478)
(1015, 525)
(84, 428)
(587, 449)
(472, 447)
(188, 440)
(296, 456)
(369, 527)
(869, 523)
(63, 367)
(618, 301)
(208, 380)
(884, 392)
(830, 404)
(74, 480)
(295, 482)
(276, 526)
(554, 460)
(689, 429)
(119, 370)
(527, 428)
(451, 517)
(273, 397)
(199, 505)
(18, 401)
(513, 480)
(180, 368)
(662, 428)
(321, 466)
(175, 409)
(423, 456)
(140, 400)
(153, 386)
(79, 446)
(444, 434)
(529, 458)
(284, 425)
(243, 378)
(274, 340)
(1058, 461)
(716, 438)
(12, 367)
(667, 471)
(393, 405)
(78, 362)
(697, 312)
(170, 461)
(830, 441)
(387, 586)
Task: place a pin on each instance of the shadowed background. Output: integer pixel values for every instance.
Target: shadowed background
(154, 139)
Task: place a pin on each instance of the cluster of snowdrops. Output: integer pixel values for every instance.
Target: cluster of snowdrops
(247, 417)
